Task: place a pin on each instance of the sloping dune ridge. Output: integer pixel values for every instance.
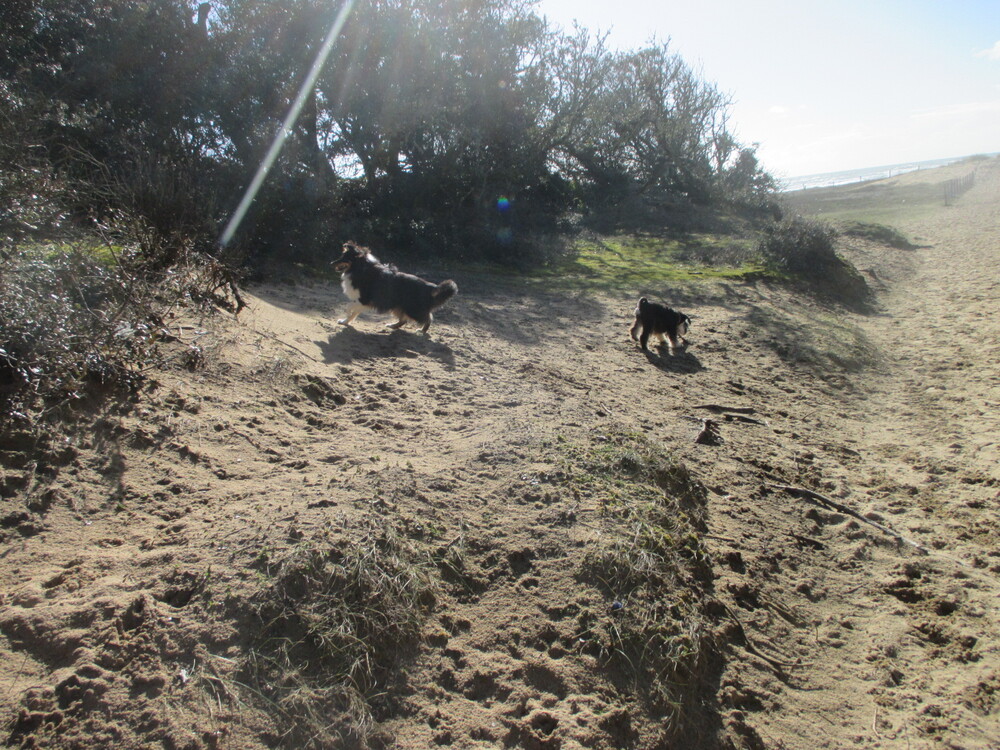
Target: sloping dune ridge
(506, 482)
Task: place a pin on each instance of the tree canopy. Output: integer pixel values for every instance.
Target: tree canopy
(449, 126)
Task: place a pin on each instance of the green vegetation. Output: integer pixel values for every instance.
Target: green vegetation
(633, 261)
(468, 128)
(655, 641)
(805, 251)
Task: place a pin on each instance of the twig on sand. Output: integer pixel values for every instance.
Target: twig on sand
(271, 336)
(751, 648)
(830, 503)
(823, 500)
(743, 418)
(719, 408)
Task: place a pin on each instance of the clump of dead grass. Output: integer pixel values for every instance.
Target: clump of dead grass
(336, 620)
(653, 571)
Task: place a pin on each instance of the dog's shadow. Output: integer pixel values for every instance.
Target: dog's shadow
(680, 361)
(348, 345)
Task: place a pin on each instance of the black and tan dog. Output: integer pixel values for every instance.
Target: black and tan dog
(378, 286)
(659, 320)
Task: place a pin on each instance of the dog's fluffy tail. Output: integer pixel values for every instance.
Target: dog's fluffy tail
(444, 292)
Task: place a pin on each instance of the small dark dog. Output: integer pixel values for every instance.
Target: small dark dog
(659, 320)
(384, 288)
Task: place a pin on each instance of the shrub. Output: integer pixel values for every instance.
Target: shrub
(83, 319)
(805, 251)
(67, 321)
(798, 247)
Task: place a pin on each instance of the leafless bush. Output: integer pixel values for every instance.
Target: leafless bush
(88, 318)
(30, 193)
(67, 322)
(164, 206)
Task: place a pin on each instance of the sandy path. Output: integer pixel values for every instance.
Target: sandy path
(907, 647)
(935, 424)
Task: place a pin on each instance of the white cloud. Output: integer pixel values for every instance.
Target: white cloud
(993, 53)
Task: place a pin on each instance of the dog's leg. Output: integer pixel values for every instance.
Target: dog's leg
(427, 323)
(400, 322)
(352, 312)
(671, 341)
(644, 338)
(634, 328)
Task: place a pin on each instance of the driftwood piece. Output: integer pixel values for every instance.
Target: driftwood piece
(730, 417)
(834, 505)
(719, 408)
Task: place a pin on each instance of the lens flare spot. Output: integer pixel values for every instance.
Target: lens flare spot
(503, 204)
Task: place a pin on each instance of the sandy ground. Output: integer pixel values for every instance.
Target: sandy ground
(133, 548)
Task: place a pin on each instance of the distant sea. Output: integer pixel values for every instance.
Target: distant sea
(831, 179)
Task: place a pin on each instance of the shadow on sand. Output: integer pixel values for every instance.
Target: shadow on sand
(350, 345)
(681, 361)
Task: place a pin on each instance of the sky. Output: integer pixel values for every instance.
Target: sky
(824, 85)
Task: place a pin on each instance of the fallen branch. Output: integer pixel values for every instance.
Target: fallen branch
(294, 348)
(730, 417)
(718, 408)
(749, 646)
(834, 505)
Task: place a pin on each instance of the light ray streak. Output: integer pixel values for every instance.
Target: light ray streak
(286, 127)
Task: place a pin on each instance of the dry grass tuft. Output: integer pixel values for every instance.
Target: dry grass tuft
(653, 570)
(336, 621)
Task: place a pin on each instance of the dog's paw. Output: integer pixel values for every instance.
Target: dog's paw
(344, 322)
